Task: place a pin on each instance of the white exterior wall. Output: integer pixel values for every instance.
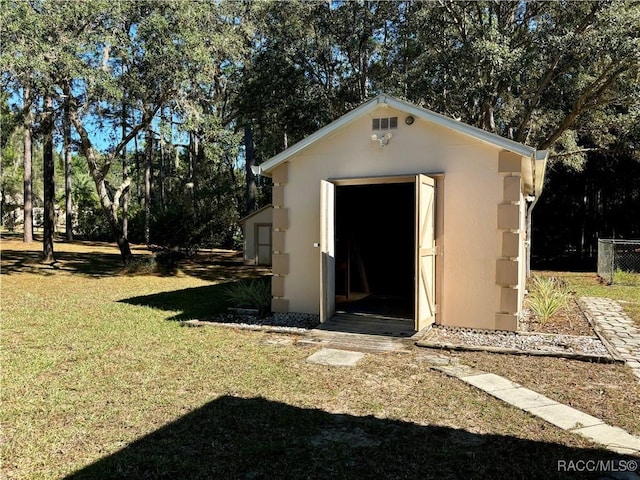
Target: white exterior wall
(472, 190)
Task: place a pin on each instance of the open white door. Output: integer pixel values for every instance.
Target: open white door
(327, 251)
(425, 252)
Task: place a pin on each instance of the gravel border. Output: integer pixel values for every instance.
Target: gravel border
(246, 319)
(565, 346)
(589, 348)
(246, 326)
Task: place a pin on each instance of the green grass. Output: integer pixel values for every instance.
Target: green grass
(587, 285)
(621, 277)
(99, 381)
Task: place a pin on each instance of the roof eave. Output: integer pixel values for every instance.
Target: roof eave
(540, 161)
(254, 213)
(384, 100)
(458, 126)
(267, 167)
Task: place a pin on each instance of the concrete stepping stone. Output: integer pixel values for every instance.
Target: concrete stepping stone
(613, 438)
(523, 398)
(563, 416)
(337, 358)
(490, 382)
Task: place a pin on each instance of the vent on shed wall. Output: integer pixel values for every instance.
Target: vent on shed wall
(384, 123)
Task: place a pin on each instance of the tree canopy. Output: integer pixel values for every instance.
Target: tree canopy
(169, 100)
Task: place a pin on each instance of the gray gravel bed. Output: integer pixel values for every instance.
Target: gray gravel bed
(295, 323)
(528, 342)
(439, 335)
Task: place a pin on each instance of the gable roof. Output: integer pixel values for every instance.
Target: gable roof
(254, 213)
(538, 157)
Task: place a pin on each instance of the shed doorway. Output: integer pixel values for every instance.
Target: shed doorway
(374, 245)
(378, 249)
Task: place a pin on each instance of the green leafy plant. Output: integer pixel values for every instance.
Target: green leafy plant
(547, 296)
(251, 294)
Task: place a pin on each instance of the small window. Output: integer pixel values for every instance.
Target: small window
(384, 123)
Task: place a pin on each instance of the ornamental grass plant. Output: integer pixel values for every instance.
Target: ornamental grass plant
(547, 296)
(254, 293)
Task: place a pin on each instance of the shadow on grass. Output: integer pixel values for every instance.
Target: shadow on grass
(98, 264)
(260, 439)
(192, 303)
(220, 270)
(90, 264)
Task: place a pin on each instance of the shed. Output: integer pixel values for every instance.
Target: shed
(256, 229)
(401, 212)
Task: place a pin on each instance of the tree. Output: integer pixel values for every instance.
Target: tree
(68, 161)
(243, 80)
(11, 159)
(526, 70)
(27, 201)
(49, 182)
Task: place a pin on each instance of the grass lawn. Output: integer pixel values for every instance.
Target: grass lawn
(100, 381)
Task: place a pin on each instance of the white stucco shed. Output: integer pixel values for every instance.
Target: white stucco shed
(396, 210)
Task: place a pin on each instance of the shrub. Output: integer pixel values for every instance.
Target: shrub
(93, 225)
(547, 295)
(143, 265)
(251, 294)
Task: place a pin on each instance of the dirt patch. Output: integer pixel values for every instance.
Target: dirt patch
(568, 321)
(566, 332)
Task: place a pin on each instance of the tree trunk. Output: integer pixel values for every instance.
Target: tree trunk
(125, 173)
(147, 186)
(196, 161)
(488, 121)
(125, 249)
(162, 157)
(161, 174)
(68, 211)
(27, 163)
(49, 185)
(99, 170)
(250, 160)
(193, 146)
(110, 207)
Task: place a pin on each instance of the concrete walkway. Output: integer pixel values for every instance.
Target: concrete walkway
(563, 416)
(610, 322)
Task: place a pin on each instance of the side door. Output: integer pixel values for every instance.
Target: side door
(327, 250)
(263, 243)
(425, 294)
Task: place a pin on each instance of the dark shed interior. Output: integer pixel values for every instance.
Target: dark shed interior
(375, 254)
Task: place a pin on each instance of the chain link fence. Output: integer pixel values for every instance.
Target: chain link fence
(617, 258)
